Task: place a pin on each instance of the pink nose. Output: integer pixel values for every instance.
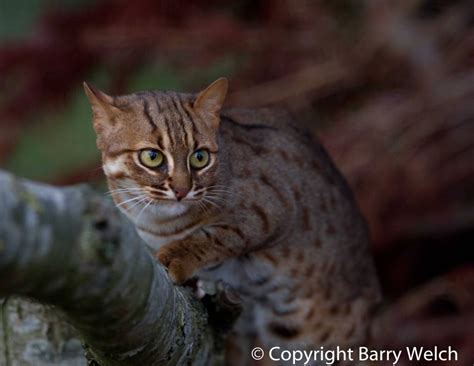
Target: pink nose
(180, 192)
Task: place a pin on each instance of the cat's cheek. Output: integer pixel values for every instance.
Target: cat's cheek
(114, 166)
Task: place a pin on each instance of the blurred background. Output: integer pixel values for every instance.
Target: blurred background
(387, 85)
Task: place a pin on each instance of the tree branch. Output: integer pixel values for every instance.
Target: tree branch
(70, 248)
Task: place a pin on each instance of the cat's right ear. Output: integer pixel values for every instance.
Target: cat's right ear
(209, 102)
(103, 107)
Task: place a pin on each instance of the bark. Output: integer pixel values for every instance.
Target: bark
(70, 248)
(32, 334)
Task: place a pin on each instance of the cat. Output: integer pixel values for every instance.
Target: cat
(247, 197)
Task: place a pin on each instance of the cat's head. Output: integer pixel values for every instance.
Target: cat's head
(159, 147)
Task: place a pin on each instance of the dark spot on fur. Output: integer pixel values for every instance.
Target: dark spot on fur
(255, 187)
(246, 171)
(208, 235)
(270, 258)
(263, 217)
(283, 331)
(333, 309)
(298, 160)
(345, 309)
(294, 272)
(330, 229)
(317, 243)
(297, 194)
(323, 207)
(331, 179)
(309, 271)
(306, 219)
(350, 332)
(218, 242)
(236, 230)
(327, 292)
(325, 336)
(285, 252)
(300, 256)
(310, 313)
(284, 154)
(257, 149)
(315, 165)
(266, 181)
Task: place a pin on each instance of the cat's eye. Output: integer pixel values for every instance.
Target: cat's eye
(151, 158)
(199, 159)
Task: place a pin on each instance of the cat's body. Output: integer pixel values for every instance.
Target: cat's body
(275, 219)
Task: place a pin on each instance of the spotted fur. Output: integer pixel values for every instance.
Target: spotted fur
(269, 214)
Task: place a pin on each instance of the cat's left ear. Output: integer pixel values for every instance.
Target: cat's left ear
(208, 103)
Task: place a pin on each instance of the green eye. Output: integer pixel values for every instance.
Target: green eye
(151, 158)
(199, 159)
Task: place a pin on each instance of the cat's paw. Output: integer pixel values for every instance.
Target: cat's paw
(164, 256)
(179, 268)
(179, 271)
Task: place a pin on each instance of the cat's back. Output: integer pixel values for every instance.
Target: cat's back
(266, 131)
(270, 117)
(272, 139)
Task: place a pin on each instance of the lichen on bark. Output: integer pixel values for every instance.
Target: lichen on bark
(71, 249)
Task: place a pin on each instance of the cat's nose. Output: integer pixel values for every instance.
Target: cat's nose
(180, 192)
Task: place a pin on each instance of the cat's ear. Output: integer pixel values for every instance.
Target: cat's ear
(103, 107)
(209, 102)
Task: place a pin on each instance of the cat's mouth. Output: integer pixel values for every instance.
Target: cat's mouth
(168, 197)
(162, 199)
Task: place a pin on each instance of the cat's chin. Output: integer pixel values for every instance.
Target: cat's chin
(169, 208)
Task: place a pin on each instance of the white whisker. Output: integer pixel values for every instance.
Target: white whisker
(143, 209)
(204, 208)
(124, 190)
(138, 203)
(205, 199)
(130, 200)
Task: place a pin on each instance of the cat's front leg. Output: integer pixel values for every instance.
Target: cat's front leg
(179, 258)
(185, 257)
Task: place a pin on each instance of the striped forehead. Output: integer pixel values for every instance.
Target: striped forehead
(171, 119)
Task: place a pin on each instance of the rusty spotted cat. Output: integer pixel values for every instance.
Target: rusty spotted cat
(245, 196)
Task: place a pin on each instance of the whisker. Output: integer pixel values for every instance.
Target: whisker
(124, 190)
(138, 203)
(217, 197)
(130, 200)
(211, 202)
(143, 209)
(204, 208)
(224, 190)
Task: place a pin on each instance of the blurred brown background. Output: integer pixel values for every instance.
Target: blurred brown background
(387, 85)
